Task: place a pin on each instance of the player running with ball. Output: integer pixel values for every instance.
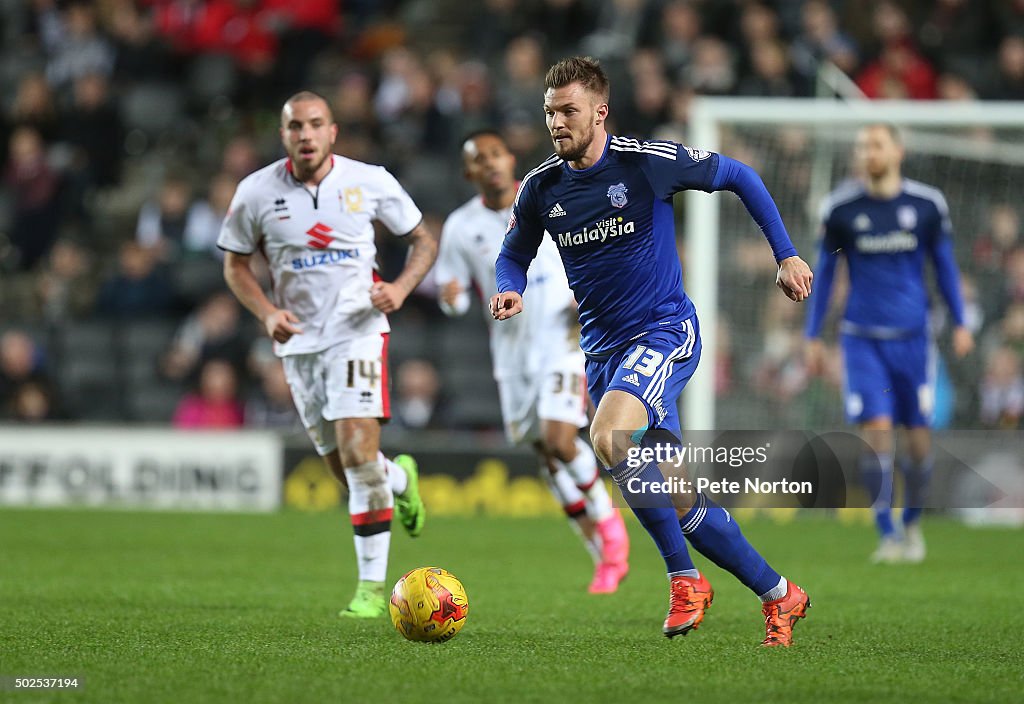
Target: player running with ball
(607, 203)
(537, 359)
(311, 216)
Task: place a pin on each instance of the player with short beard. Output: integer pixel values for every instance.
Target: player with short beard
(639, 329)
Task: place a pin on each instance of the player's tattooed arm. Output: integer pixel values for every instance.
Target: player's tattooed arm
(389, 297)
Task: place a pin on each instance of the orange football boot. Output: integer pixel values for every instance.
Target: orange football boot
(688, 599)
(782, 614)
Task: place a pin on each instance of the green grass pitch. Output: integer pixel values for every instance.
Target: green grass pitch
(152, 607)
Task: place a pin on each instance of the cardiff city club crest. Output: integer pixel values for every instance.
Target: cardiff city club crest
(617, 195)
(907, 217)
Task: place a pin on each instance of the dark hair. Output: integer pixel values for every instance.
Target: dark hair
(482, 132)
(584, 70)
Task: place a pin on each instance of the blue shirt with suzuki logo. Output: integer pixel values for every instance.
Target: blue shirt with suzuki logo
(615, 230)
(886, 243)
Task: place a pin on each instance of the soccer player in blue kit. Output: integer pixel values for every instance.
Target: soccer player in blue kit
(607, 203)
(887, 227)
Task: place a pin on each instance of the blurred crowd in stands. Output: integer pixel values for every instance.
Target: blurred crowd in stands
(127, 124)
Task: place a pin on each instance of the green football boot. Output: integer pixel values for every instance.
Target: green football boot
(370, 601)
(409, 506)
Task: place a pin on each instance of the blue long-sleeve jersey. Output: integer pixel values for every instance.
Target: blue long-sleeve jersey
(886, 244)
(614, 227)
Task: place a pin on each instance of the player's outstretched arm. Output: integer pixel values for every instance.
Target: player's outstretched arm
(388, 297)
(280, 324)
(794, 276)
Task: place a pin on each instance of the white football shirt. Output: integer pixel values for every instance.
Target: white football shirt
(548, 326)
(319, 244)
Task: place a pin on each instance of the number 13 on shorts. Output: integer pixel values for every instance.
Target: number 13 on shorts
(643, 360)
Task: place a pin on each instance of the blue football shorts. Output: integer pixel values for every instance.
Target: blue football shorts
(654, 368)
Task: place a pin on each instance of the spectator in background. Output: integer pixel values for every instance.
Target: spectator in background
(34, 106)
(955, 33)
(522, 76)
(899, 71)
(270, 406)
(418, 403)
(204, 218)
(213, 331)
(33, 403)
(821, 40)
(66, 287)
(675, 35)
(92, 127)
(161, 224)
(240, 157)
(758, 24)
(646, 105)
(712, 71)
(352, 104)
(139, 288)
(214, 404)
(140, 53)
(769, 72)
(492, 24)
(1002, 390)
(74, 43)
(1013, 279)
(1007, 82)
(22, 363)
(1000, 237)
(35, 186)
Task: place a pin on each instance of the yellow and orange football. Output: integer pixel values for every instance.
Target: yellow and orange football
(429, 605)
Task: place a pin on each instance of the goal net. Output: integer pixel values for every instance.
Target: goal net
(973, 152)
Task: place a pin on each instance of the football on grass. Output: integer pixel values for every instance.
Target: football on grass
(429, 605)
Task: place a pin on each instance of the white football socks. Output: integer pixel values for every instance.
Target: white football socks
(398, 480)
(587, 476)
(370, 506)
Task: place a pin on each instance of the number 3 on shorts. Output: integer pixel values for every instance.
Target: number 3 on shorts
(649, 360)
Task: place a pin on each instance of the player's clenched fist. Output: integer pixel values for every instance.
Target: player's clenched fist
(281, 326)
(794, 278)
(505, 305)
(386, 297)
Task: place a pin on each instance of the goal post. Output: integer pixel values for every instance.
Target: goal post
(967, 145)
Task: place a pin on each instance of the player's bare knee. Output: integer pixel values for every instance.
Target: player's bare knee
(560, 447)
(608, 445)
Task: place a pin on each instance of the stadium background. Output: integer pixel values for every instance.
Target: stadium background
(128, 124)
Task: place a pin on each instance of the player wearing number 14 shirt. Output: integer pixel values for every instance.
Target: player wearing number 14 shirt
(311, 216)
(606, 202)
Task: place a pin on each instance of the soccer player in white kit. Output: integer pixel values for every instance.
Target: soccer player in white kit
(537, 359)
(311, 216)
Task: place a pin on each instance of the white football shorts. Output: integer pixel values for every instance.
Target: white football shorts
(349, 380)
(558, 392)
